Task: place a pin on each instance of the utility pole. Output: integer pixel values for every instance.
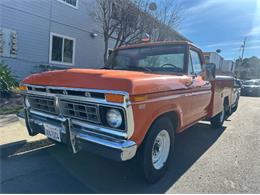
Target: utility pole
(243, 48)
(242, 52)
(239, 62)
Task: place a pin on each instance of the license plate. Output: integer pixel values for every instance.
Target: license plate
(52, 132)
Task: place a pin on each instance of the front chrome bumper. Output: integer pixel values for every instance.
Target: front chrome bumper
(78, 136)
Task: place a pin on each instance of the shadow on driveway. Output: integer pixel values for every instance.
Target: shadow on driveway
(54, 170)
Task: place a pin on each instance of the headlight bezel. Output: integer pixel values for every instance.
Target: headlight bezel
(103, 113)
(114, 118)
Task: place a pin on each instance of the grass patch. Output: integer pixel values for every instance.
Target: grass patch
(11, 105)
(10, 109)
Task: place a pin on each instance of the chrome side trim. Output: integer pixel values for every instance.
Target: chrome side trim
(175, 96)
(201, 92)
(163, 98)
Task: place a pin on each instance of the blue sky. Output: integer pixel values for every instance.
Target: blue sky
(222, 24)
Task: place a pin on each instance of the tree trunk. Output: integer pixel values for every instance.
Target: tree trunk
(105, 52)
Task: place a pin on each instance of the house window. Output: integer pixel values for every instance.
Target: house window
(207, 59)
(72, 3)
(8, 43)
(62, 49)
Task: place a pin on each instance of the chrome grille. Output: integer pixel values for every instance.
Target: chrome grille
(44, 104)
(82, 111)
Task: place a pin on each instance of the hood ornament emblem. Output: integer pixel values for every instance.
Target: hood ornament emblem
(87, 94)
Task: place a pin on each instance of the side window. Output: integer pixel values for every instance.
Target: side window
(190, 68)
(195, 58)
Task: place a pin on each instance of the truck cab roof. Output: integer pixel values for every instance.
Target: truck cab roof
(158, 43)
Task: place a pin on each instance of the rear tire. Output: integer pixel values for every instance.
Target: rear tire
(157, 149)
(234, 109)
(218, 120)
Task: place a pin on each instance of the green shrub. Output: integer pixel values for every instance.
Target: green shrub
(7, 80)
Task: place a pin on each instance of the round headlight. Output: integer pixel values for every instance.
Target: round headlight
(26, 102)
(114, 118)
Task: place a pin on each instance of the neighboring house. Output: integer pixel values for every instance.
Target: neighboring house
(59, 33)
(214, 57)
(228, 66)
(223, 67)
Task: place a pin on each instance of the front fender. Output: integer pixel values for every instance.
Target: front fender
(147, 112)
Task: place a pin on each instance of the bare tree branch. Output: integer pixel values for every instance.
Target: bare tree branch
(127, 21)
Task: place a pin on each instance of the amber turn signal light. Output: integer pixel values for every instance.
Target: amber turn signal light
(115, 98)
(22, 88)
(139, 98)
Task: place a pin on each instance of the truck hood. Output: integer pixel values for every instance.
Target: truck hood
(132, 82)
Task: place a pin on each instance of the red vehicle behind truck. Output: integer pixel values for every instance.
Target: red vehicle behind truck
(133, 107)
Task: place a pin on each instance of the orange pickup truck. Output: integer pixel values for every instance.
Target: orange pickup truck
(133, 107)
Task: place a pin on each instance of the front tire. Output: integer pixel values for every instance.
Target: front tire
(156, 153)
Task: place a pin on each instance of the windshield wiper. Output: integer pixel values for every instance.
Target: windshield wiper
(128, 68)
(139, 68)
(105, 67)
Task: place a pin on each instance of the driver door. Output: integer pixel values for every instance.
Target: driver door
(200, 89)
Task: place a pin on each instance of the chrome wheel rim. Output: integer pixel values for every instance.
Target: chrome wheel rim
(161, 149)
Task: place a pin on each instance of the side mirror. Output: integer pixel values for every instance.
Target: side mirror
(238, 84)
(209, 72)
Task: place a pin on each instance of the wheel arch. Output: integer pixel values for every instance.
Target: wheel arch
(173, 117)
(226, 100)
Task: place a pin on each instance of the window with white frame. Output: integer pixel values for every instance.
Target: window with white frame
(8, 43)
(73, 3)
(62, 49)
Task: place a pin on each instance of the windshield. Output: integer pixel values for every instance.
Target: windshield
(169, 58)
